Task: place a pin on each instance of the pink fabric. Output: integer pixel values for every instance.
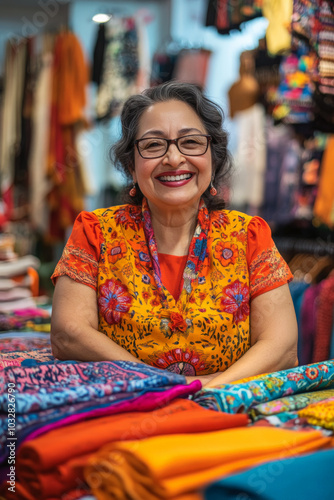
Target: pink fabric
(146, 402)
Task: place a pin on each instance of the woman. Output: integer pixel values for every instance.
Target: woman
(172, 279)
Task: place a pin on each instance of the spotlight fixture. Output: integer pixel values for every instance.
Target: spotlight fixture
(101, 18)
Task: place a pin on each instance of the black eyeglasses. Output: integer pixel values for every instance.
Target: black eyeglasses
(189, 145)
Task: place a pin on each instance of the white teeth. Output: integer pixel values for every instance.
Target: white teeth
(175, 177)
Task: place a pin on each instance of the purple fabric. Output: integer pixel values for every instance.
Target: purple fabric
(308, 316)
(147, 402)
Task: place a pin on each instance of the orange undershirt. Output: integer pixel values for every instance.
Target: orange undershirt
(172, 267)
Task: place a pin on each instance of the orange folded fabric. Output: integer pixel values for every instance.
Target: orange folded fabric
(53, 461)
(168, 467)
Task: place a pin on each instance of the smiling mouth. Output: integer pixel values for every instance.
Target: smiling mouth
(175, 178)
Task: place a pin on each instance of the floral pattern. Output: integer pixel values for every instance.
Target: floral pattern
(186, 362)
(209, 323)
(114, 301)
(236, 300)
(234, 398)
(226, 252)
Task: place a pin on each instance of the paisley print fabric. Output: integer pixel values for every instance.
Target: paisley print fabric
(234, 398)
(50, 385)
(231, 259)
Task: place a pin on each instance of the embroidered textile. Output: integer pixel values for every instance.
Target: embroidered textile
(50, 385)
(320, 413)
(291, 403)
(38, 421)
(231, 259)
(242, 397)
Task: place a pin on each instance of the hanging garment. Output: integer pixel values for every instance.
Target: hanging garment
(14, 79)
(279, 14)
(309, 322)
(138, 469)
(324, 203)
(247, 187)
(98, 54)
(324, 321)
(192, 66)
(233, 398)
(120, 67)
(231, 256)
(68, 99)
(38, 182)
(297, 290)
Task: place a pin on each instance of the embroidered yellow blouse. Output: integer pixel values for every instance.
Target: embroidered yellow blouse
(231, 260)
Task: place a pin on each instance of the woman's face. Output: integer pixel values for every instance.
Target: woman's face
(159, 178)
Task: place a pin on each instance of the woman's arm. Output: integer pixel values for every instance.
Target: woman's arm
(274, 336)
(74, 326)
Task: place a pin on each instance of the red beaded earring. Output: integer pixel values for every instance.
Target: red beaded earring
(133, 191)
(213, 190)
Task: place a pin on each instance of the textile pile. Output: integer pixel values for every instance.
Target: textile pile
(120, 430)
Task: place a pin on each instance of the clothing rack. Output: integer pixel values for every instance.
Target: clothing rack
(315, 247)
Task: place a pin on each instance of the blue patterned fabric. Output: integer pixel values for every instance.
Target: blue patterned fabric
(236, 398)
(295, 478)
(50, 385)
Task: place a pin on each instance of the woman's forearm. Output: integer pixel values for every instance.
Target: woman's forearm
(84, 343)
(262, 357)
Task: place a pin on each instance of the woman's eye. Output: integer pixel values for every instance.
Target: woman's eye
(151, 145)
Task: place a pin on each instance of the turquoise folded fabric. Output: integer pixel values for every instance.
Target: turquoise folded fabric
(295, 478)
(236, 398)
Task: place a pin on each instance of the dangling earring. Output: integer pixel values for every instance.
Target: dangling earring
(133, 191)
(213, 190)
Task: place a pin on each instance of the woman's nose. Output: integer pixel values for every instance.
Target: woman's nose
(173, 156)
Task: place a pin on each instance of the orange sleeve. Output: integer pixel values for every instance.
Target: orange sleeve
(267, 268)
(81, 254)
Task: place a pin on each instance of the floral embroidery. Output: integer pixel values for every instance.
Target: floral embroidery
(114, 301)
(295, 376)
(236, 301)
(117, 251)
(183, 361)
(128, 217)
(78, 265)
(219, 219)
(177, 322)
(240, 235)
(226, 253)
(311, 373)
(267, 269)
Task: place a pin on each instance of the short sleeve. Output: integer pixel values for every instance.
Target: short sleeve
(81, 254)
(267, 268)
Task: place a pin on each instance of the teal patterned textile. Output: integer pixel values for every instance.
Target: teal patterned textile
(236, 398)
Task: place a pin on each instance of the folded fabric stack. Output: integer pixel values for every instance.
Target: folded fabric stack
(18, 282)
(120, 430)
(19, 289)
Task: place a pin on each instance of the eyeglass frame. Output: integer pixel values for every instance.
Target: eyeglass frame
(173, 141)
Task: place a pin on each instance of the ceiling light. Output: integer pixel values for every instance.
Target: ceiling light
(101, 18)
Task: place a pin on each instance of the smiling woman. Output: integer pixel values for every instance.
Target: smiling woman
(172, 278)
